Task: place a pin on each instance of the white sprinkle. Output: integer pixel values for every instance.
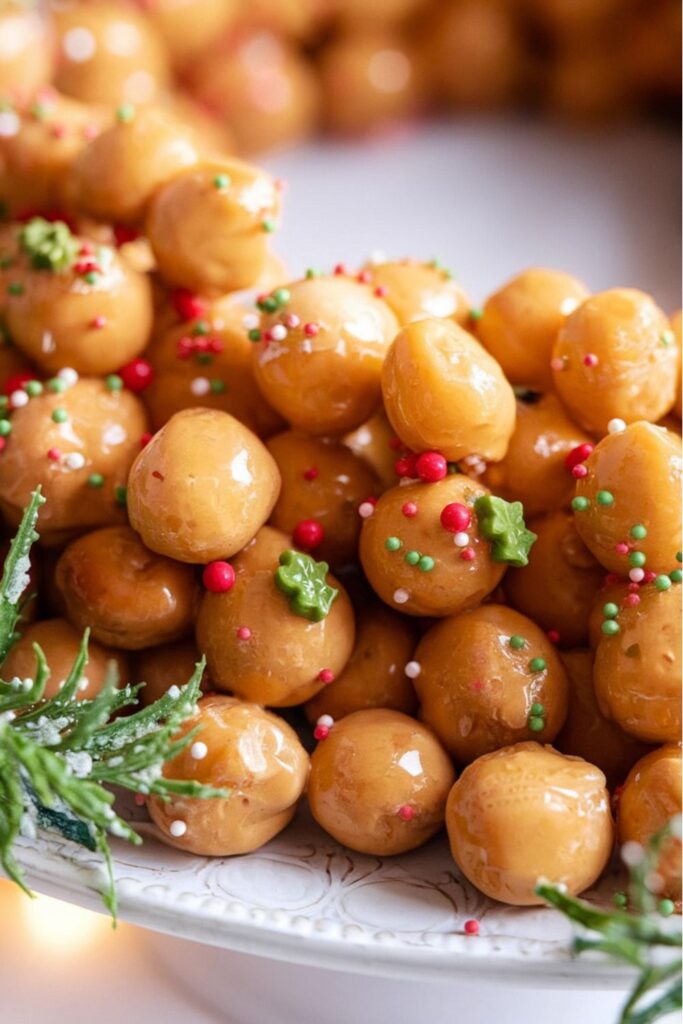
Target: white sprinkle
(461, 540)
(200, 386)
(366, 509)
(173, 691)
(378, 256)
(632, 853)
(636, 575)
(74, 460)
(79, 45)
(177, 828)
(68, 375)
(199, 750)
(616, 426)
(83, 685)
(413, 669)
(17, 399)
(401, 595)
(326, 720)
(9, 124)
(251, 321)
(278, 332)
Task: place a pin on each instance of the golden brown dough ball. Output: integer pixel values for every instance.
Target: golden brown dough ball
(489, 678)
(534, 470)
(324, 482)
(319, 358)
(375, 674)
(651, 797)
(108, 53)
(248, 751)
(261, 87)
(116, 175)
(558, 586)
(569, 18)
(627, 508)
(189, 27)
(586, 83)
(159, 668)
(520, 321)
(208, 363)
(375, 442)
(417, 291)
(445, 578)
(586, 732)
(77, 304)
(615, 358)
(379, 12)
(129, 596)
(202, 487)
(209, 226)
(638, 664)
(527, 812)
(289, 18)
(258, 646)
(443, 391)
(78, 441)
(379, 782)
(26, 56)
(368, 82)
(60, 642)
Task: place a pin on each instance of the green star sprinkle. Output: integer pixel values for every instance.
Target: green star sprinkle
(502, 523)
(304, 581)
(49, 245)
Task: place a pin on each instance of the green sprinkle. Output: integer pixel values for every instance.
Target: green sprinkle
(620, 899)
(201, 328)
(311, 272)
(15, 288)
(637, 559)
(662, 582)
(679, 556)
(218, 387)
(6, 262)
(536, 724)
(304, 582)
(125, 113)
(204, 358)
(56, 385)
(676, 576)
(4, 401)
(5, 428)
(666, 907)
(39, 111)
(517, 642)
(666, 338)
(113, 382)
(412, 557)
(392, 543)
(120, 494)
(33, 388)
(59, 415)
(610, 610)
(638, 532)
(49, 245)
(604, 498)
(452, 468)
(476, 314)
(254, 334)
(269, 304)
(537, 709)
(580, 504)
(268, 225)
(221, 181)
(610, 627)
(96, 480)
(537, 665)
(502, 523)
(282, 296)
(91, 277)
(426, 564)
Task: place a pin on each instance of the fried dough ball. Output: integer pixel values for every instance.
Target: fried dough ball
(520, 321)
(443, 391)
(78, 442)
(560, 582)
(248, 751)
(445, 579)
(116, 175)
(189, 27)
(527, 812)
(209, 226)
(322, 480)
(93, 315)
(627, 508)
(374, 442)
(208, 363)
(60, 642)
(159, 668)
(375, 674)
(289, 18)
(651, 797)
(489, 678)
(379, 12)
(129, 596)
(202, 487)
(323, 373)
(638, 666)
(586, 83)
(261, 87)
(534, 470)
(257, 646)
(108, 53)
(379, 782)
(418, 291)
(26, 57)
(610, 360)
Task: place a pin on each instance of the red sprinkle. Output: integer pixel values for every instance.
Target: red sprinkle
(431, 466)
(631, 600)
(311, 329)
(243, 633)
(218, 577)
(123, 234)
(634, 587)
(578, 454)
(468, 554)
(455, 517)
(409, 509)
(17, 381)
(553, 636)
(54, 454)
(145, 438)
(311, 473)
(472, 927)
(621, 548)
(590, 359)
(340, 268)
(139, 800)
(649, 576)
(395, 444)
(4, 444)
(98, 322)
(611, 578)
(188, 305)
(308, 534)
(579, 472)
(406, 466)
(321, 732)
(137, 374)
(365, 277)
(381, 291)
(406, 812)
(326, 675)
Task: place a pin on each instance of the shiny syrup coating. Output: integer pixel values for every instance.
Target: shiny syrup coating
(375, 442)
(419, 291)
(26, 60)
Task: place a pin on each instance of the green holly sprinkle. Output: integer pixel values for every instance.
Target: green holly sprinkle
(517, 643)
(392, 543)
(59, 415)
(537, 665)
(96, 480)
(610, 627)
(502, 523)
(412, 557)
(49, 245)
(605, 498)
(580, 504)
(304, 581)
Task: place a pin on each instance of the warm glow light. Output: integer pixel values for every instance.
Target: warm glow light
(61, 926)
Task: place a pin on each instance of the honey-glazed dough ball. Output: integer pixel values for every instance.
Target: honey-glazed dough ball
(558, 586)
(129, 596)
(159, 668)
(586, 732)
(585, 83)
(248, 751)
(78, 442)
(60, 642)
(534, 470)
(489, 678)
(189, 27)
(323, 481)
(202, 487)
(108, 53)
(261, 87)
(527, 812)
(209, 226)
(26, 56)
(443, 391)
(414, 290)
(379, 782)
(651, 797)
(290, 19)
(520, 321)
(637, 671)
(207, 363)
(379, 13)
(116, 175)
(614, 358)
(323, 373)
(445, 579)
(375, 442)
(87, 309)
(375, 674)
(627, 508)
(258, 646)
